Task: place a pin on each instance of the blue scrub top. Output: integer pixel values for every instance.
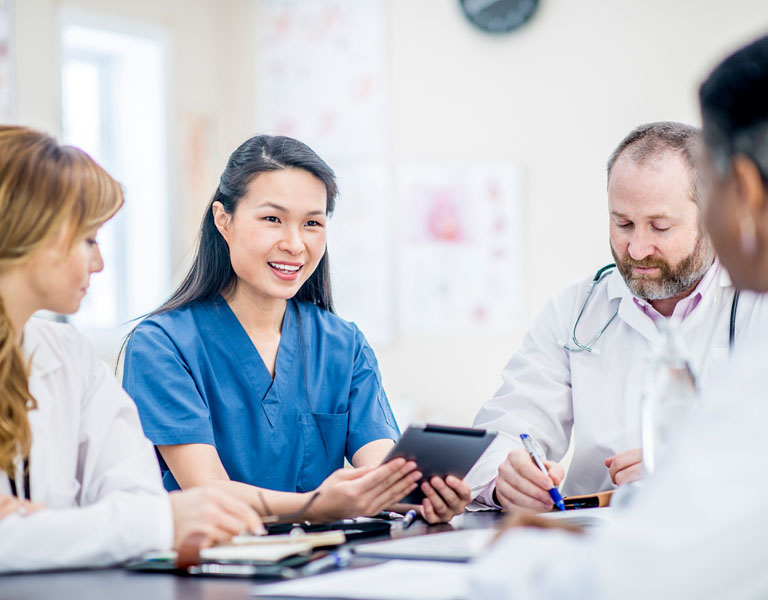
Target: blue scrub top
(196, 377)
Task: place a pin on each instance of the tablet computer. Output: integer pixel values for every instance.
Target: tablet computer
(440, 450)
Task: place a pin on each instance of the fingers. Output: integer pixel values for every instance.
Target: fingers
(512, 488)
(444, 499)
(235, 516)
(247, 518)
(371, 490)
(434, 508)
(630, 461)
(628, 475)
(379, 499)
(525, 468)
(608, 461)
(210, 515)
(428, 512)
(446, 492)
(461, 488)
(9, 505)
(510, 497)
(388, 476)
(555, 471)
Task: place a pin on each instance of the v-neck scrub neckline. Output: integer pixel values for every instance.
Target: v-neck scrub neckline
(196, 377)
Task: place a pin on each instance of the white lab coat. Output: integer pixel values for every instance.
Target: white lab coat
(547, 390)
(696, 528)
(90, 464)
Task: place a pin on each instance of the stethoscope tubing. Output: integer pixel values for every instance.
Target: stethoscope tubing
(588, 347)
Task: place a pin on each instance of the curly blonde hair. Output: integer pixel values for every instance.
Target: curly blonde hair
(45, 188)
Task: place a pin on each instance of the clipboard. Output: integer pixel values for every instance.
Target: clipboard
(440, 450)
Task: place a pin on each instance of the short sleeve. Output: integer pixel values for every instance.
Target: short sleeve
(157, 377)
(370, 416)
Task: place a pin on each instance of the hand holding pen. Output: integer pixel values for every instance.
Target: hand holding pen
(538, 457)
(523, 483)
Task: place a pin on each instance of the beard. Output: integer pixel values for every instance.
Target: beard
(673, 280)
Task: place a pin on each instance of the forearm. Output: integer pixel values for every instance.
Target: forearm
(118, 527)
(265, 502)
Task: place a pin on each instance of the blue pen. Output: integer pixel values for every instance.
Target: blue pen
(408, 518)
(534, 450)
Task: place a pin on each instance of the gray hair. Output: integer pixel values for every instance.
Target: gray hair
(654, 139)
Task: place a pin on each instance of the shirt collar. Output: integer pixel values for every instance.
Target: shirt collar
(715, 276)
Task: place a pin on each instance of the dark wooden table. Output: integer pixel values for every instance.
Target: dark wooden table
(118, 584)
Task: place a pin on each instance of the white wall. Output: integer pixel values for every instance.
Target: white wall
(556, 97)
(210, 97)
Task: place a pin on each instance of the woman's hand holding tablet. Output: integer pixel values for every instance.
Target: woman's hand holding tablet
(364, 490)
(444, 498)
(444, 455)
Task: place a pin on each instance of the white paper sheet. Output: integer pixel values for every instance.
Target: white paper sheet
(460, 248)
(396, 579)
(455, 546)
(585, 517)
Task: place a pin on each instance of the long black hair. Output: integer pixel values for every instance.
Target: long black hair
(211, 272)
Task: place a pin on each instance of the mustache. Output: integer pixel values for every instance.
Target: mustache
(646, 263)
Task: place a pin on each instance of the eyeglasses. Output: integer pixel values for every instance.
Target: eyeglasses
(293, 517)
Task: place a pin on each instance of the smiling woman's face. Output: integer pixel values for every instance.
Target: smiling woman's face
(276, 236)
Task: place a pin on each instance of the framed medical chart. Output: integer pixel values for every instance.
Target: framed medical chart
(322, 79)
(460, 252)
(322, 75)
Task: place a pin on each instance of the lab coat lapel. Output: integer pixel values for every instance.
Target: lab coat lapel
(43, 362)
(629, 312)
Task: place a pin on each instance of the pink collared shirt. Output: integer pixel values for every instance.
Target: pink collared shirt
(688, 304)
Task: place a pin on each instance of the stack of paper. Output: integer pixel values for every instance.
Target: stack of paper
(393, 580)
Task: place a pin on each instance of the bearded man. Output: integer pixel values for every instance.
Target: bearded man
(582, 365)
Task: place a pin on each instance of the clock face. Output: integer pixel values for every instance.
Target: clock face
(498, 16)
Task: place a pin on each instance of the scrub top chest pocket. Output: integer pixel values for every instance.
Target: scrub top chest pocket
(324, 436)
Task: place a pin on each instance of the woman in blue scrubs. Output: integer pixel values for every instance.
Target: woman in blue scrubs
(246, 377)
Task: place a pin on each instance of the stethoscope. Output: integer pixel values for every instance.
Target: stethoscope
(589, 346)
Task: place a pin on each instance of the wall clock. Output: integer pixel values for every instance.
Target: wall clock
(498, 16)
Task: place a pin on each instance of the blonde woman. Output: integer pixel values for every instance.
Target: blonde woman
(79, 482)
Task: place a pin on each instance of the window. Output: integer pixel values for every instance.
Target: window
(114, 107)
